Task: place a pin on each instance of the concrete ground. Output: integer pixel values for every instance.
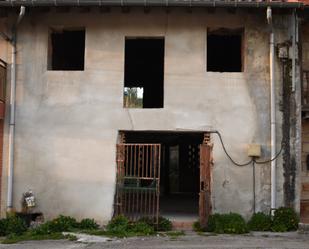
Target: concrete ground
(189, 241)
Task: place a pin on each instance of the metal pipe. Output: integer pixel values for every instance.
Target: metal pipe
(152, 3)
(272, 108)
(12, 112)
(294, 21)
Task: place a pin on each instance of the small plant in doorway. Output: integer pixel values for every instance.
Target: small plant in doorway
(164, 224)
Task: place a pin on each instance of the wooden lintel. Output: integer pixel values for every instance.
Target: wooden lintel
(105, 9)
(168, 10)
(125, 9)
(147, 9)
(84, 9)
(211, 10)
(64, 9)
(231, 10)
(189, 10)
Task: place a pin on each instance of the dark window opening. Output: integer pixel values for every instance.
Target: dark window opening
(144, 72)
(67, 50)
(224, 50)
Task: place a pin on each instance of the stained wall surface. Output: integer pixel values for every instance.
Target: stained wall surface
(67, 122)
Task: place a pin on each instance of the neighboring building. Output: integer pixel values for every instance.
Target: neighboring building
(157, 78)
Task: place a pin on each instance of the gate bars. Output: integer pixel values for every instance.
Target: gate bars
(138, 181)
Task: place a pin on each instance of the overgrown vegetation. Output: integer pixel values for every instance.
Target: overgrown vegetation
(227, 223)
(285, 219)
(12, 225)
(164, 224)
(260, 222)
(197, 227)
(120, 226)
(15, 230)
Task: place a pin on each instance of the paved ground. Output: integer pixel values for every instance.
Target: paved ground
(189, 241)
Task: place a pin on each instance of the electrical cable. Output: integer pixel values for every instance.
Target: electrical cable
(252, 159)
(225, 151)
(270, 160)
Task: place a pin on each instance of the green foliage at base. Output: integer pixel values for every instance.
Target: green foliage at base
(88, 224)
(164, 224)
(11, 239)
(260, 222)
(197, 227)
(285, 219)
(64, 224)
(12, 225)
(120, 226)
(227, 223)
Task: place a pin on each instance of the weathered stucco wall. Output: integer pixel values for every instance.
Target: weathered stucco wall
(67, 123)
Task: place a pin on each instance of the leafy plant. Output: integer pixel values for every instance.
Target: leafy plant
(164, 224)
(13, 225)
(60, 224)
(197, 227)
(142, 228)
(285, 219)
(88, 224)
(120, 226)
(227, 223)
(260, 222)
(3, 226)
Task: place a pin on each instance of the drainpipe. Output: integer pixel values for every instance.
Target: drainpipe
(294, 51)
(12, 112)
(272, 107)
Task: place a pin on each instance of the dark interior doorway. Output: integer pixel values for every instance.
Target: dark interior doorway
(179, 172)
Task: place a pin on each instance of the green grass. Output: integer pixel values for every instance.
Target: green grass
(11, 239)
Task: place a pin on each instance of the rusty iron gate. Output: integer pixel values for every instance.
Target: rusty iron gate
(138, 181)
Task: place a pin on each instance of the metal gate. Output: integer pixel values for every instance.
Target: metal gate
(138, 181)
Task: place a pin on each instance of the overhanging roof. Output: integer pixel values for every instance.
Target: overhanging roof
(159, 3)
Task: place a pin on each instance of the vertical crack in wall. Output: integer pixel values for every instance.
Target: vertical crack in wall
(288, 109)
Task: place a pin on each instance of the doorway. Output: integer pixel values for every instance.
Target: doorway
(178, 187)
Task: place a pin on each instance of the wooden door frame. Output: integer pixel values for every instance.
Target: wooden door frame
(206, 163)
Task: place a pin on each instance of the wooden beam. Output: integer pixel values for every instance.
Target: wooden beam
(147, 9)
(105, 9)
(125, 9)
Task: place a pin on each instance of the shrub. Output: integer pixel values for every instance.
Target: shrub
(3, 226)
(64, 223)
(14, 225)
(60, 224)
(164, 224)
(118, 225)
(260, 222)
(197, 227)
(227, 223)
(88, 224)
(285, 219)
(142, 228)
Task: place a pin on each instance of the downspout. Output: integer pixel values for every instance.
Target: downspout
(12, 112)
(272, 107)
(294, 50)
